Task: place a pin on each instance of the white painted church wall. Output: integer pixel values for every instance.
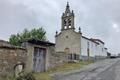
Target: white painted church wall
(94, 48)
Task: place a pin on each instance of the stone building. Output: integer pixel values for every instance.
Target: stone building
(37, 55)
(41, 55)
(73, 43)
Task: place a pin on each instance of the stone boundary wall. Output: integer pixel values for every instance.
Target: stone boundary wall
(57, 59)
(9, 58)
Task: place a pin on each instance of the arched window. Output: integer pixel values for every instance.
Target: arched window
(69, 22)
(69, 26)
(65, 27)
(65, 22)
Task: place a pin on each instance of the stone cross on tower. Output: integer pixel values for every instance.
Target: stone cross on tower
(67, 19)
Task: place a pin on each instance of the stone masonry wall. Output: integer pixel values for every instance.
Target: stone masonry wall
(9, 57)
(56, 59)
(68, 39)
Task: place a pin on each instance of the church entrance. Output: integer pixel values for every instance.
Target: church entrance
(39, 59)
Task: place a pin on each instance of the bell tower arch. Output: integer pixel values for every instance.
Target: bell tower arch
(67, 19)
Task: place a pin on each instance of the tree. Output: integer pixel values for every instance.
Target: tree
(38, 34)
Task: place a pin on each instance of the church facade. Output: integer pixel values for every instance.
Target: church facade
(74, 44)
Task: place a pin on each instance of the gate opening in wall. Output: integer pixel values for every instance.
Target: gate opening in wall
(39, 59)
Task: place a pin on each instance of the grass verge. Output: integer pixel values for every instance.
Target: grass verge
(63, 68)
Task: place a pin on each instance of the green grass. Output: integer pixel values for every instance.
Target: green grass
(42, 76)
(63, 68)
(7, 78)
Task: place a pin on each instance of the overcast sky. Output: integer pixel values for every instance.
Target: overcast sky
(97, 18)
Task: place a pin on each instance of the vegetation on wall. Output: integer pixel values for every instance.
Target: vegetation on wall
(26, 76)
(39, 34)
(22, 76)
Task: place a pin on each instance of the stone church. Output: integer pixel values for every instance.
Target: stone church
(73, 43)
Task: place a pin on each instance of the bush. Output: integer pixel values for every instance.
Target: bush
(25, 76)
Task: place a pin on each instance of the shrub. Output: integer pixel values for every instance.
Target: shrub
(25, 76)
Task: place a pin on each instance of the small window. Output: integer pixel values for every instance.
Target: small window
(65, 27)
(69, 26)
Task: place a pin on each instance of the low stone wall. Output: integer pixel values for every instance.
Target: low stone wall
(97, 58)
(56, 59)
(9, 58)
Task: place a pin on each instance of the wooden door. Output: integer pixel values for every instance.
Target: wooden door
(39, 59)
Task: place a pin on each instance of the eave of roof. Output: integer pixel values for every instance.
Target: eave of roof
(39, 42)
(98, 40)
(90, 40)
(12, 47)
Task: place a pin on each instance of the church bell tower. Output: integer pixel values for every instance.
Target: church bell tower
(68, 41)
(67, 19)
